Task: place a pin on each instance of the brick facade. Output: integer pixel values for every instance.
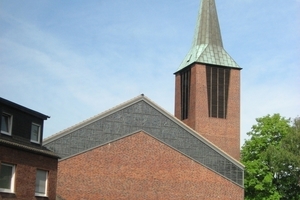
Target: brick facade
(140, 167)
(26, 165)
(225, 133)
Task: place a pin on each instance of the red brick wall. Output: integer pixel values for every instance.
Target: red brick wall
(224, 133)
(140, 167)
(25, 174)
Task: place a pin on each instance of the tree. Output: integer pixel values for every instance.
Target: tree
(271, 159)
(285, 164)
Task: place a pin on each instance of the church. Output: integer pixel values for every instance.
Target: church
(137, 150)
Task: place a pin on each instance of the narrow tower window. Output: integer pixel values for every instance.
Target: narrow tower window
(217, 90)
(185, 93)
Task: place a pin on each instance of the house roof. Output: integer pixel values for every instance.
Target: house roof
(207, 46)
(141, 114)
(9, 142)
(24, 109)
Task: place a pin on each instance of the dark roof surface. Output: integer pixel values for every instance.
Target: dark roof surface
(24, 109)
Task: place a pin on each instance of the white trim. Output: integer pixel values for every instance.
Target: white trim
(46, 184)
(39, 134)
(12, 181)
(10, 121)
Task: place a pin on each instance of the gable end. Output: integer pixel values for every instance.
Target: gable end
(143, 116)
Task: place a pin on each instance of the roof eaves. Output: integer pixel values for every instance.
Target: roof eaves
(27, 148)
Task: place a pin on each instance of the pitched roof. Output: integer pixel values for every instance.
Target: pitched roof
(207, 46)
(24, 109)
(141, 114)
(17, 144)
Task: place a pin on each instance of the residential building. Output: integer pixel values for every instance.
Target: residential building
(27, 169)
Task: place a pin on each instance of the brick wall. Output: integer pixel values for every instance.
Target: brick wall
(26, 165)
(224, 133)
(140, 167)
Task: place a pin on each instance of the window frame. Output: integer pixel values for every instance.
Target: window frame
(12, 179)
(38, 141)
(45, 194)
(9, 125)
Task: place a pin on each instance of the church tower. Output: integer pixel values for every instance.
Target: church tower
(207, 90)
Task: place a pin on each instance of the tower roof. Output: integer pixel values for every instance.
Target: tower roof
(207, 46)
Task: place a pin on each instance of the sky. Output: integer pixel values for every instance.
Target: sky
(74, 59)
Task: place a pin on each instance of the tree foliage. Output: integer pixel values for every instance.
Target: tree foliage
(272, 160)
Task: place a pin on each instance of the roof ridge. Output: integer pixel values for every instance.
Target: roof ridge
(91, 119)
(45, 151)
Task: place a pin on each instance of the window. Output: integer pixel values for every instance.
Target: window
(35, 133)
(6, 123)
(41, 183)
(7, 178)
(185, 93)
(217, 90)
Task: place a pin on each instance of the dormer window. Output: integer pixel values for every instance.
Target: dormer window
(6, 123)
(35, 133)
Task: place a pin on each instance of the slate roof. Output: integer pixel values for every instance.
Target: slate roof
(207, 46)
(141, 114)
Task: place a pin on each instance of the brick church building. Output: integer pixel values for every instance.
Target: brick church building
(137, 150)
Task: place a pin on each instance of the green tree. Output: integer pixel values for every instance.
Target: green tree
(271, 159)
(285, 163)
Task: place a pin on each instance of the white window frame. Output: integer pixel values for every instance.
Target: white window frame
(39, 133)
(10, 120)
(12, 181)
(46, 184)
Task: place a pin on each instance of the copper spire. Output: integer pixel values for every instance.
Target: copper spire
(207, 47)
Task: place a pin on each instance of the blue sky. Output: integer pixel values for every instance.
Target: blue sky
(74, 59)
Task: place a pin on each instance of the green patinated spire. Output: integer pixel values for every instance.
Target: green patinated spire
(207, 47)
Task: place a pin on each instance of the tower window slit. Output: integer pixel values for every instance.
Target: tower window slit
(217, 90)
(185, 93)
